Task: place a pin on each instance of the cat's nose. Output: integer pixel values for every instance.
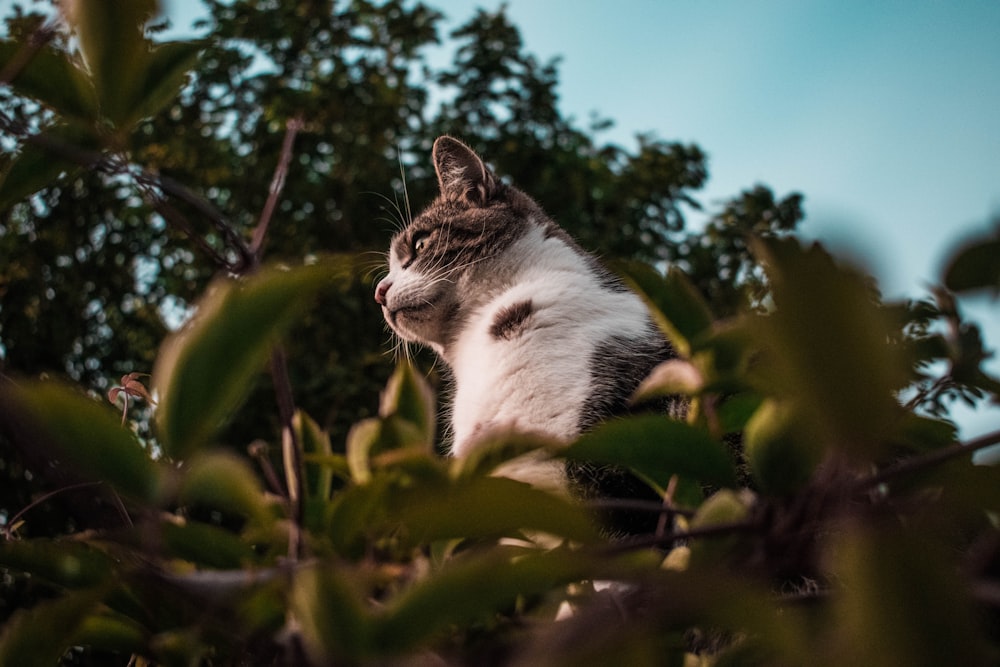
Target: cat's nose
(381, 290)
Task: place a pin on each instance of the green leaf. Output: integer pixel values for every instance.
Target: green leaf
(502, 507)
(471, 588)
(782, 453)
(113, 46)
(36, 166)
(223, 481)
(828, 348)
(675, 304)
(206, 545)
(167, 68)
(900, 602)
(40, 635)
(975, 266)
(111, 632)
(656, 447)
(90, 437)
(205, 370)
(65, 563)
(408, 396)
(315, 442)
(51, 78)
(329, 610)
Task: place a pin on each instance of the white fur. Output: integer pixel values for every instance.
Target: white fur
(539, 380)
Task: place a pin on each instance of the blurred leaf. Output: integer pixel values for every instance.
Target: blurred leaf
(40, 635)
(315, 442)
(902, 602)
(471, 588)
(782, 454)
(499, 447)
(88, 435)
(670, 378)
(36, 167)
(110, 35)
(51, 78)
(222, 481)
(408, 396)
(826, 324)
(362, 440)
(333, 621)
(657, 448)
(676, 306)
(111, 632)
(975, 266)
(204, 371)
(722, 508)
(166, 72)
(502, 507)
(206, 545)
(64, 563)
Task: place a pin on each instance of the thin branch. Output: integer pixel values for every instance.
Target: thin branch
(929, 460)
(291, 451)
(292, 128)
(8, 530)
(669, 539)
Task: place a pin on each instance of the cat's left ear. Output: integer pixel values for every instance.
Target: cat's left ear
(461, 173)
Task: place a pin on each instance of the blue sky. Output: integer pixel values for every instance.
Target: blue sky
(884, 114)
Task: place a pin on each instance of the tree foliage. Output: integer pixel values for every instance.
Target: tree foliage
(242, 181)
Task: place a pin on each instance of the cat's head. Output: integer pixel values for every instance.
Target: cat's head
(448, 257)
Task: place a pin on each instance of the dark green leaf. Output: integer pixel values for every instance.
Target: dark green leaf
(901, 602)
(676, 306)
(64, 563)
(50, 78)
(315, 443)
(333, 620)
(408, 396)
(657, 447)
(222, 481)
(206, 545)
(40, 635)
(502, 507)
(114, 48)
(167, 69)
(471, 588)
(204, 371)
(975, 266)
(111, 632)
(90, 436)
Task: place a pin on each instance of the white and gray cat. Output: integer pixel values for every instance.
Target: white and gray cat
(537, 335)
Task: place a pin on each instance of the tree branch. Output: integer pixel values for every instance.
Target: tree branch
(918, 463)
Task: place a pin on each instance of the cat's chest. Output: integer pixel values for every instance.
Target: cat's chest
(525, 359)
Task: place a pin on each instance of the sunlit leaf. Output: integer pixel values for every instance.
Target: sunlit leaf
(408, 396)
(781, 451)
(88, 435)
(205, 370)
(656, 447)
(676, 306)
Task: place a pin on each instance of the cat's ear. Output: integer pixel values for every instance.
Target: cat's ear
(461, 173)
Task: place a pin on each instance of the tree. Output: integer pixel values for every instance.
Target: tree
(134, 186)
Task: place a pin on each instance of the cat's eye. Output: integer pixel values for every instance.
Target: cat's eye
(420, 241)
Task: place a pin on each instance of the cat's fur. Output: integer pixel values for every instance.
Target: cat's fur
(538, 336)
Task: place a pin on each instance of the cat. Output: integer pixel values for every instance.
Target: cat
(538, 336)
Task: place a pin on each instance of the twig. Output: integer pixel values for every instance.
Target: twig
(36, 43)
(8, 530)
(929, 460)
(668, 539)
(277, 185)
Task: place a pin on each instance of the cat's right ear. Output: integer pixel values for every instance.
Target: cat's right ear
(462, 175)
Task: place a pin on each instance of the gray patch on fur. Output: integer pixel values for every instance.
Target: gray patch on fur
(511, 320)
